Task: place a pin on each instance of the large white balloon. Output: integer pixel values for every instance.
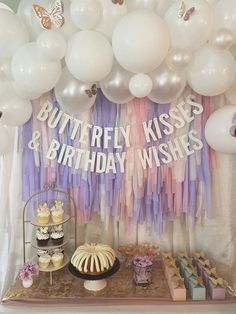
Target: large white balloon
(168, 84)
(112, 13)
(225, 15)
(52, 45)
(13, 33)
(73, 95)
(5, 140)
(212, 71)
(32, 72)
(141, 41)
(116, 85)
(194, 32)
(14, 110)
(85, 14)
(220, 130)
(89, 56)
(141, 4)
(231, 93)
(140, 85)
(24, 94)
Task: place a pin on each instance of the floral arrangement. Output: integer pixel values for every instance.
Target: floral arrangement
(28, 270)
(130, 251)
(142, 261)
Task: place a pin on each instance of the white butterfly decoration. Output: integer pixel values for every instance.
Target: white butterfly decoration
(55, 16)
(184, 13)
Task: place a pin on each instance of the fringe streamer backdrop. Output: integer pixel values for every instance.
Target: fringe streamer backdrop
(137, 196)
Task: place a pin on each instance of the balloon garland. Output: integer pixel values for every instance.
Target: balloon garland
(133, 48)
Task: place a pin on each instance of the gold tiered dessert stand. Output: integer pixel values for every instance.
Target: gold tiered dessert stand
(69, 217)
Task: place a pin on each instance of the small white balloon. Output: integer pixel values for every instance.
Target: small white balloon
(231, 93)
(168, 84)
(32, 72)
(140, 85)
(89, 56)
(13, 33)
(162, 6)
(74, 96)
(141, 4)
(189, 31)
(52, 45)
(141, 41)
(5, 140)
(220, 130)
(222, 39)
(14, 110)
(212, 71)
(112, 13)
(85, 14)
(178, 58)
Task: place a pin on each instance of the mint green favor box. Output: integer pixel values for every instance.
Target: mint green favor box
(197, 291)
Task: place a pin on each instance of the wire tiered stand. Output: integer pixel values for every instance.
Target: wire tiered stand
(49, 193)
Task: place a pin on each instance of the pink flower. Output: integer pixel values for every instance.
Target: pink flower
(28, 270)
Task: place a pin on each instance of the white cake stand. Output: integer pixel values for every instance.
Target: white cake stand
(95, 282)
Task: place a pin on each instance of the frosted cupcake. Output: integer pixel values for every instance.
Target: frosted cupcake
(57, 211)
(41, 252)
(57, 259)
(43, 214)
(44, 261)
(57, 235)
(42, 236)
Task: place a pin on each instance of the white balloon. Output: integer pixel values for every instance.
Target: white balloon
(231, 93)
(5, 140)
(5, 7)
(212, 71)
(140, 41)
(140, 85)
(225, 15)
(13, 33)
(85, 14)
(194, 32)
(14, 110)
(32, 72)
(212, 2)
(111, 14)
(69, 28)
(141, 4)
(52, 45)
(222, 39)
(168, 84)
(89, 56)
(178, 58)
(71, 94)
(220, 130)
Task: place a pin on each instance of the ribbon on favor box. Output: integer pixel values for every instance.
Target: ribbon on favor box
(216, 281)
(197, 281)
(177, 282)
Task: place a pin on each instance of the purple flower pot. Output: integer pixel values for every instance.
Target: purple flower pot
(142, 271)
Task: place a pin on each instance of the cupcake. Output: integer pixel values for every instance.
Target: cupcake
(41, 252)
(57, 212)
(57, 235)
(57, 250)
(57, 259)
(44, 261)
(43, 214)
(42, 235)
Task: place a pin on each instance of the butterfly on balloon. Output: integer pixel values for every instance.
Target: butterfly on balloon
(120, 2)
(54, 16)
(91, 92)
(185, 13)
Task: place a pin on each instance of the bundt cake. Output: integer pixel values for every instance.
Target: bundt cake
(93, 258)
